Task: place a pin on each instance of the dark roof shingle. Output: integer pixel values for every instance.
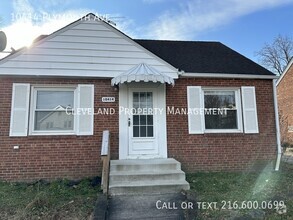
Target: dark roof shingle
(203, 57)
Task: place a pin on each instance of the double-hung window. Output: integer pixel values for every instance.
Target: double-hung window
(53, 110)
(222, 110)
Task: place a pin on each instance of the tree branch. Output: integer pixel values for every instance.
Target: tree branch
(277, 55)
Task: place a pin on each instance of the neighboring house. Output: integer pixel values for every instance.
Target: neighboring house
(285, 102)
(201, 103)
(57, 119)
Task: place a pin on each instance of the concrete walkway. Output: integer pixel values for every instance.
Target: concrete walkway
(142, 207)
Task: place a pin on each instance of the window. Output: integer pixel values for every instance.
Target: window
(46, 110)
(53, 110)
(220, 110)
(143, 122)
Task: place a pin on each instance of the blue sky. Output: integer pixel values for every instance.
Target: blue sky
(244, 25)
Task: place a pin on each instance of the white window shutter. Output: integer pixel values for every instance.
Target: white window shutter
(19, 110)
(85, 104)
(249, 109)
(195, 102)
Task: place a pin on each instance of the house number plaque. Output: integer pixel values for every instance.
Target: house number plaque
(108, 99)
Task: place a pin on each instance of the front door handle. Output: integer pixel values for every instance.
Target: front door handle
(129, 122)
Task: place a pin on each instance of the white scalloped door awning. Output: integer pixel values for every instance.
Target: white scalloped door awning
(142, 73)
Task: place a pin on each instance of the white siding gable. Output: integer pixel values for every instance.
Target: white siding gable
(87, 48)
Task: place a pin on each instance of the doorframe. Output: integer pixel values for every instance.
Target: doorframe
(123, 118)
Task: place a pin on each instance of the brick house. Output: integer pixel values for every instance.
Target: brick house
(285, 102)
(201, 103)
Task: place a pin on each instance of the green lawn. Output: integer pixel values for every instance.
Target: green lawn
(41, 200)
(268, 188)
(69, 200)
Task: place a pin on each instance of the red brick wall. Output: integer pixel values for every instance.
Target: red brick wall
(221, 151)
(55, 156)
(285, 102)
(79, 156)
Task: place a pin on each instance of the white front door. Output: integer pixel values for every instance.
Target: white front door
(142, 123)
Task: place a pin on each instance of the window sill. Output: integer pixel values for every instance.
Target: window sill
(51, 133)
(221, 131)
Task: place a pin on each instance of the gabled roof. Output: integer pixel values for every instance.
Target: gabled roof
(285, 71)
(203, 57)
(88, 47)
(206, 58)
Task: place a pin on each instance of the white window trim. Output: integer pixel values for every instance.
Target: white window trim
(238, 107)
(34, 90)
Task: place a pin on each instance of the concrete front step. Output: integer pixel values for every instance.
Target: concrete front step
(155, 187)
(146, 176)
(145, 165)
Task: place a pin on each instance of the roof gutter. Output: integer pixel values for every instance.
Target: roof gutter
(279, 149)
(227, 75)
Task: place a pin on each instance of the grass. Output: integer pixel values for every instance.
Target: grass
(65, 199)
(61, 199)
(264, 186)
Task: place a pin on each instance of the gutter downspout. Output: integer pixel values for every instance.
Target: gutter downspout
(279, 149)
